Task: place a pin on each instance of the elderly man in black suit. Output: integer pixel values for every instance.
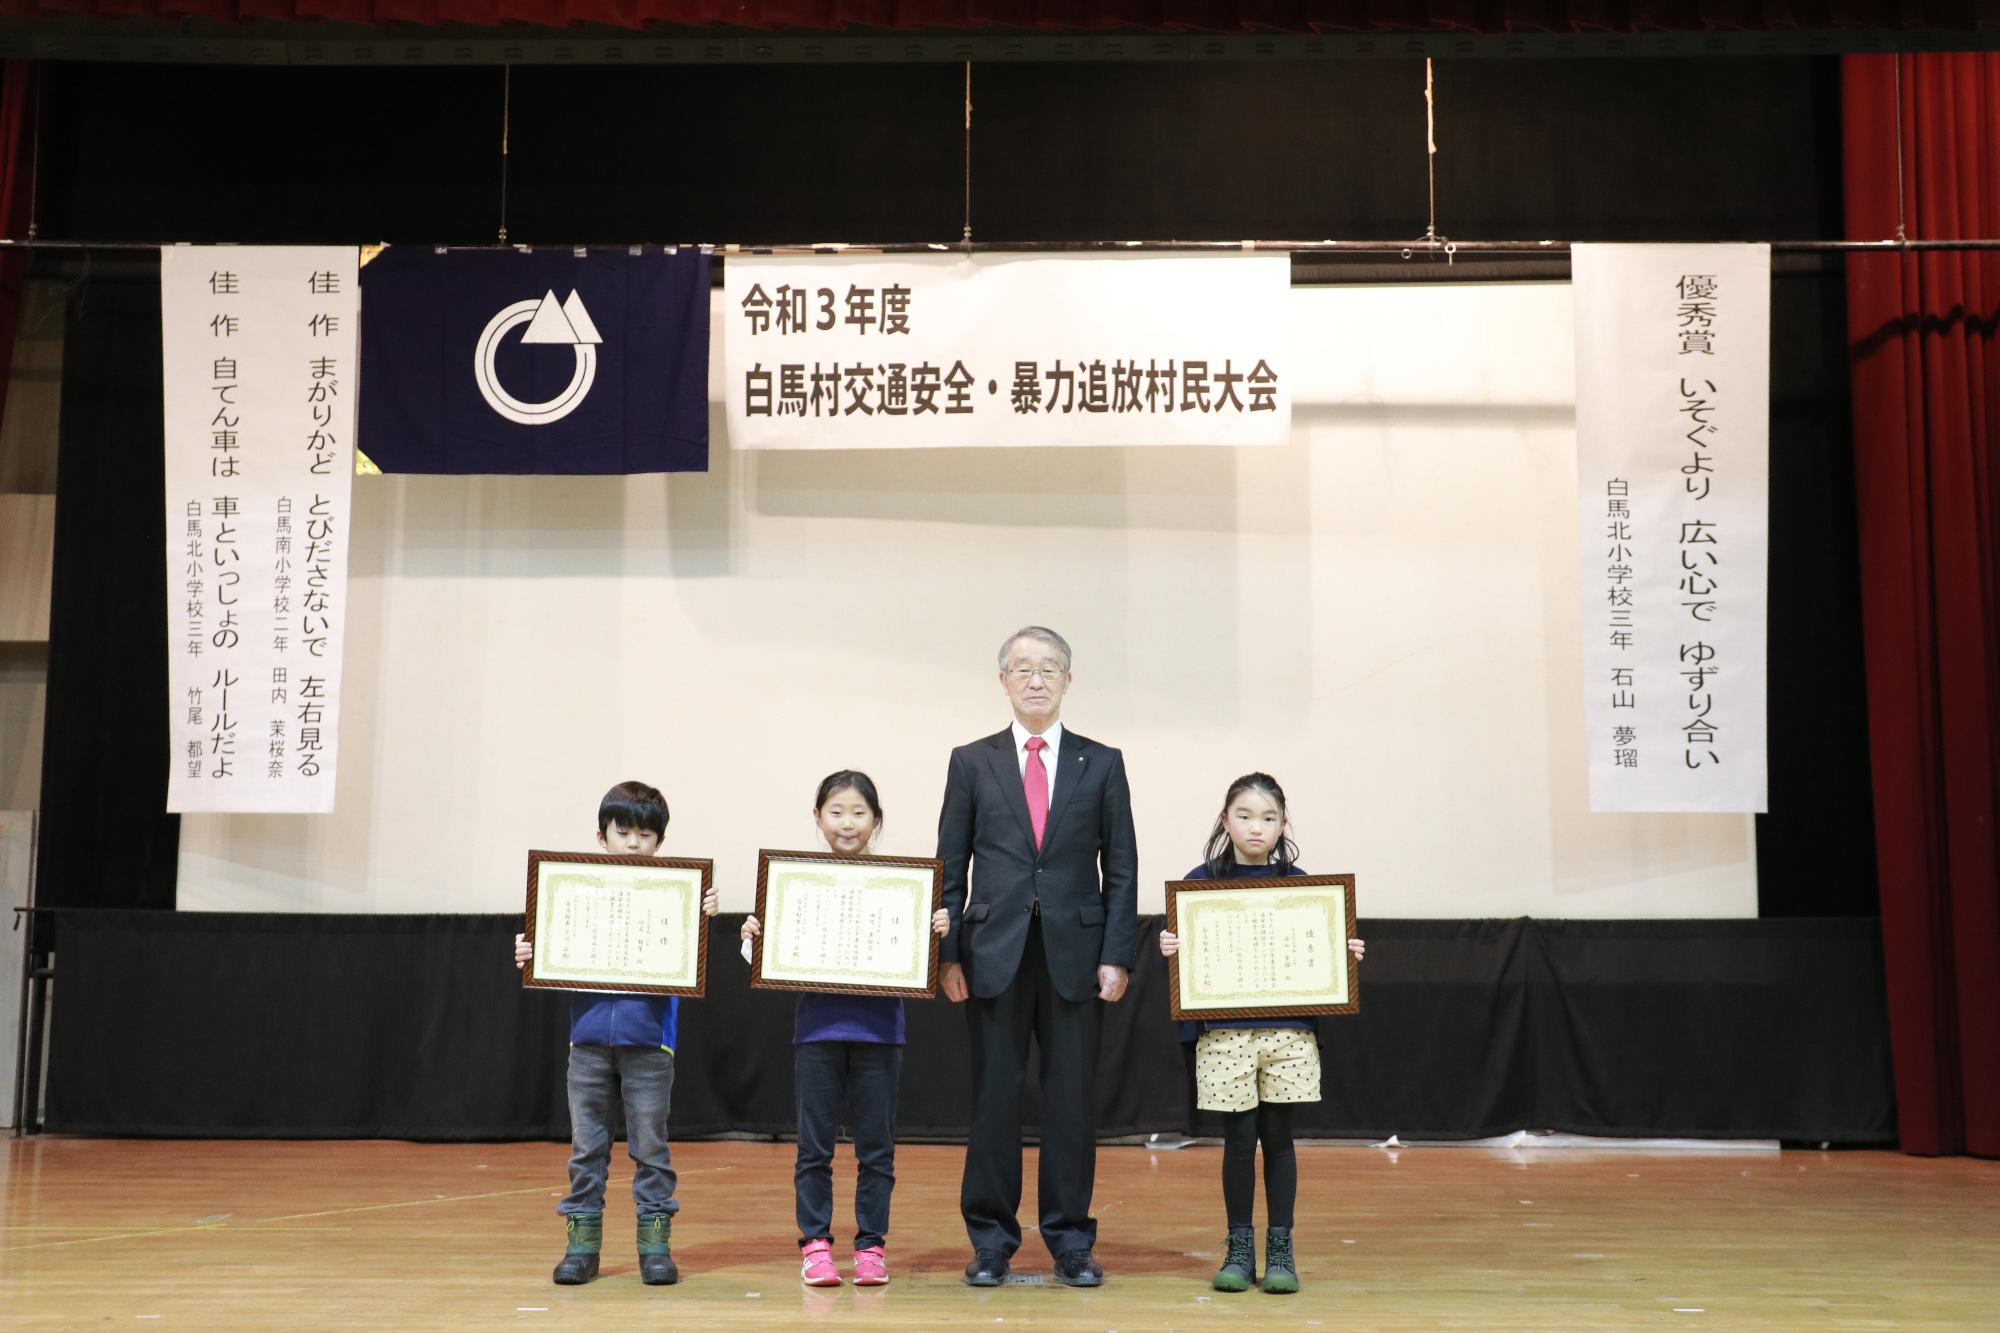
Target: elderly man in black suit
(1041, 881)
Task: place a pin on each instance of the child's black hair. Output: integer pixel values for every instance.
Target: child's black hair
(1221, 855)
(864, 787)
(633, 805)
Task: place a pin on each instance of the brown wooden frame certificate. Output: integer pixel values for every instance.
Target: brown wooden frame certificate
(849, 925)
(1263, 948)
(617, 923)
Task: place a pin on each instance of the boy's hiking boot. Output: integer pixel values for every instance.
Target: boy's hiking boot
(816, 1264)
(1239, 1261)
(656, 1262)
(1281, 1274)
(579, 1261)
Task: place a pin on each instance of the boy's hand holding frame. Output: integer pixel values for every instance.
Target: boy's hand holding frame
(618, 923)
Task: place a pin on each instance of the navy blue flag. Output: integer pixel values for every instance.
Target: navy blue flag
(499, 361)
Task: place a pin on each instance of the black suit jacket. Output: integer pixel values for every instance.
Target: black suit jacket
(1085, 875)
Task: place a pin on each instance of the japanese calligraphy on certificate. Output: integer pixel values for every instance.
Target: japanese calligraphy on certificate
(617, 923)
(868, 352)
(1673, 371)
(259, 370)
(857, 925)
(1254, 948)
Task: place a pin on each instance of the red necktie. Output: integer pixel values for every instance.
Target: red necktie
(1035, 786)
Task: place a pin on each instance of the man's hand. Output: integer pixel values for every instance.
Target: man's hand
(750, 929)
(522, 953)
(1111, 983)
(711, 902)
(955, 988)
(1170, 944)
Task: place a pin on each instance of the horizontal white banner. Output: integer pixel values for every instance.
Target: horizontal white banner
(861, 352)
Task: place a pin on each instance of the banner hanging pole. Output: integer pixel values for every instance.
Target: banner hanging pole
(1408, 249)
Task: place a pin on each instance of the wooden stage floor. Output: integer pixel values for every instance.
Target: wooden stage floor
(262, 1235)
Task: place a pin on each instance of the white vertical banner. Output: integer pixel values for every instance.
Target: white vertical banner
(1673, 371)
(867, 352)
(259, 364)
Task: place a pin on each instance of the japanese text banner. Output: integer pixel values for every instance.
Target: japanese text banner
(863, 352)
(259, 367)
(1673, 368)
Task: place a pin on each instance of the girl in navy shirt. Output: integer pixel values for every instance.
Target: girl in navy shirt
(846, 1047)
(1254, 1070)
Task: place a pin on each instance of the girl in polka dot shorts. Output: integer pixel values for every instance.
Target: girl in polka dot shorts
(1254, 1070)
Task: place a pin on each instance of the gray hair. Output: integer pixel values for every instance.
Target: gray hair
(1040, 634)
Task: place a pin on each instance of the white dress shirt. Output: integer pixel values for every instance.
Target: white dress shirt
(1054, 738)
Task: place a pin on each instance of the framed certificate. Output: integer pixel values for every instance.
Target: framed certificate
(617, 923)
(852, 925)
(1263, 948)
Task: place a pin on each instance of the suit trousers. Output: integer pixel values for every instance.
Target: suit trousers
(1066, 1032)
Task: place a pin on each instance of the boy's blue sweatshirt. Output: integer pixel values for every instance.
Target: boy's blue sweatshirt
(623, 1020)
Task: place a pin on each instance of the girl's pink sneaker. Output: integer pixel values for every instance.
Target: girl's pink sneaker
(871, 1267)
(817, 1270)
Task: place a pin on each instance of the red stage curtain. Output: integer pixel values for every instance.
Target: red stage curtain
(1925, 336)
(17, 115)
(1491, 16)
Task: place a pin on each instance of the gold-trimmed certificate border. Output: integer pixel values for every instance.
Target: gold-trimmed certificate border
(767, 858)
(1290, 886)
(537, 860)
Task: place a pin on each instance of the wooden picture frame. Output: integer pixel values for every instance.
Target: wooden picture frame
(1301, 924)
(583, 909)
(882, 895)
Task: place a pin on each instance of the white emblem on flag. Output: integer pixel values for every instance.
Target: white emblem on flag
(549, 324)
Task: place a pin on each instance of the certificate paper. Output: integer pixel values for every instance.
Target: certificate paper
(1254, 948)
(617, 923)
(856, 925)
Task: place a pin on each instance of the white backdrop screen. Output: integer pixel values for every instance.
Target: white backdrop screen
(1381, 612)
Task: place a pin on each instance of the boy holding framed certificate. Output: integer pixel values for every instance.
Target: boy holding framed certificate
(621, 1042)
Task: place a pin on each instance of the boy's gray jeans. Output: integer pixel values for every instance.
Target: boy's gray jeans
(600, 1077)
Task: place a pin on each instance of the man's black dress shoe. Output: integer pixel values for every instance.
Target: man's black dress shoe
(987, 1269)
(1077, 1269)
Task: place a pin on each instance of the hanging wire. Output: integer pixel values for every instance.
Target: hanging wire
(506, 130)
(966, 238)
(1431, 150)
(61, 302)
(1901, 235)
(35, 163)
